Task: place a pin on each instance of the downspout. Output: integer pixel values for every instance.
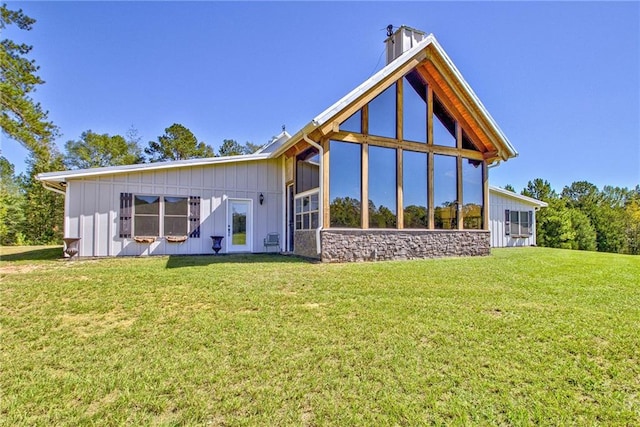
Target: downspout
(321, 191)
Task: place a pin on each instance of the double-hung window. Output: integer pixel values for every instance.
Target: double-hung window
(519, 223)
(153, 214)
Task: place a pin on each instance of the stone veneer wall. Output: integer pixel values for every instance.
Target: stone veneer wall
(378, 245)
(304, 243)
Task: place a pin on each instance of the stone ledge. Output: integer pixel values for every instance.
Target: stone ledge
(348, 245)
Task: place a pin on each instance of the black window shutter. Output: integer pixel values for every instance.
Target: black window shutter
(530, 223)
(194, 216)
(507, 222)
(126, 200)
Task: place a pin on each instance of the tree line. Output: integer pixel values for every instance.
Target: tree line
(584, 217)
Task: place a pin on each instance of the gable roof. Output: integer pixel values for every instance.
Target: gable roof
(519, 197)
(427, 48)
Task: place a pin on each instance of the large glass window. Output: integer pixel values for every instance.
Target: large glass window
(382, 187)
(472, 194)
(307, 170)
(146, 216)
(414, 189)
(353, 123)
(345, 184)
(444, 127)
(445, 191)
(414, 109)
(382, 113)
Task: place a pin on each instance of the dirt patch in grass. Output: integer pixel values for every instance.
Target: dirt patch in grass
(89, 324)
(18, 269)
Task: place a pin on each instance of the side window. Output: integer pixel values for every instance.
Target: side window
(175, 216)
(146, 220)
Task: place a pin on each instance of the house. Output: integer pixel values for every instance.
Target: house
(512, 218)
(396, 169)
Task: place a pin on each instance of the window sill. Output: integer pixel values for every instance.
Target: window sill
(144, 239)
(176, 239)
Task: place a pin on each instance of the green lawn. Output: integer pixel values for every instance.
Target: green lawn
(525, 336)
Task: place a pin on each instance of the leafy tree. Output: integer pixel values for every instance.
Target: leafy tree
(21, 118)
(584, 235)
(250, 148)
(44, 209)
(230, 147)
(100, 150)
(554, 228)
(540, 189)
(11, 206)
(632, 226)
(509, 187)
(177, 143)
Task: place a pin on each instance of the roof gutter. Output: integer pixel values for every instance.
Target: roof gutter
(57, 188)
(320, 195)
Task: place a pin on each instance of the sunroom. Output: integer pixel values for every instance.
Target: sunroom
(399, 170)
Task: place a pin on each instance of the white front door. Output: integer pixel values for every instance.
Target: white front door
(239, 225)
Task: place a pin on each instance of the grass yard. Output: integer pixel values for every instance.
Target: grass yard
(525, 336)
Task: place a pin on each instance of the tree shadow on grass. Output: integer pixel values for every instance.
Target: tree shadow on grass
(25, 253)
(177, 261)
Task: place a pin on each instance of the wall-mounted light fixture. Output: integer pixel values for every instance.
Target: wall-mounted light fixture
(261, 198)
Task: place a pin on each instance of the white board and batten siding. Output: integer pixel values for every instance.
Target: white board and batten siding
(500, 201)
(93, 214)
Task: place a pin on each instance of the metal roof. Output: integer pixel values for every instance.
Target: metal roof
(82, 173)
(519, 197)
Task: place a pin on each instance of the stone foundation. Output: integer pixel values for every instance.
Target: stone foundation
(379, 245)
(304, 243)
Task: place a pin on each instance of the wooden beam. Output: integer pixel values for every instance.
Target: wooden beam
(458, 136)
(365, 186)
(399, 191)
(406, 145)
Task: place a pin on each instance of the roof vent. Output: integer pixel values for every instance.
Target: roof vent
(402, 40)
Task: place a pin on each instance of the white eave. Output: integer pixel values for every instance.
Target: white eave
(519, 197)
(352, 96)
(144, 167)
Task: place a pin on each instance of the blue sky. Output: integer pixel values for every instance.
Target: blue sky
(562, 79)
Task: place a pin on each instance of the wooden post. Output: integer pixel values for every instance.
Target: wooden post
(399, 191)
(326, 219)
(365, 186)
(430, 207)
(429, 115)
(460, 195)
(399, 109)
(364, 119)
